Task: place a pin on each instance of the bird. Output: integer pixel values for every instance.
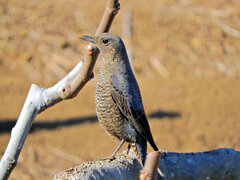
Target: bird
(118, 99)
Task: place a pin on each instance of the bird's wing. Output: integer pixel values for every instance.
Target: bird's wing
(136, 117)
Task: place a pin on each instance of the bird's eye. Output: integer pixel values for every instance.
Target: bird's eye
(105, 41)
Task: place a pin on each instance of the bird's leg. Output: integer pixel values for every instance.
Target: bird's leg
(129, 147)
(135, 149)
(113, 155)
(119, 146)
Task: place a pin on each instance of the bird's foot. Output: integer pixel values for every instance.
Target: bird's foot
(112, 158)
(129, 147)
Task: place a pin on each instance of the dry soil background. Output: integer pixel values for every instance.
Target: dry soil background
(186, 59)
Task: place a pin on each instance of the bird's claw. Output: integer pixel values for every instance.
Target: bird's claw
(112, 158)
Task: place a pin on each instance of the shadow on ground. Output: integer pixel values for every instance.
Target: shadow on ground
(6, 125)
(163, 114)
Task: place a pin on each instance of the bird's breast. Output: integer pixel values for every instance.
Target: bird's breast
(109, 115)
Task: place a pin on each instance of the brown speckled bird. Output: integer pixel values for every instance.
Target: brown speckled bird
(118, 99)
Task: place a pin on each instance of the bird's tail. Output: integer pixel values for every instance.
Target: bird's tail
(141, 148)
(152, 143)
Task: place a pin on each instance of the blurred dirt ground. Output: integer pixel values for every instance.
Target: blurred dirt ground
(186, 59)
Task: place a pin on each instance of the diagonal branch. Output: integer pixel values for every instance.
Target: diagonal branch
(91, 51)
(111, 10)
(40, 98)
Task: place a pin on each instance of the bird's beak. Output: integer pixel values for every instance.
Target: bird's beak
(87, 38)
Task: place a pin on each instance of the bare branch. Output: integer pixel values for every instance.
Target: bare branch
(215, 164)
(19, 133)
(151, 166)
(122, 167)
(86, 73)
(92, 52)
(39, 98)
(111, 10)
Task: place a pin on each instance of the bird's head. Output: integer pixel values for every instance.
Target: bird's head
(108, 44)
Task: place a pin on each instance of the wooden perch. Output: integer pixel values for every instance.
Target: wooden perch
(122, 167)
(40, 98)
(210, 165)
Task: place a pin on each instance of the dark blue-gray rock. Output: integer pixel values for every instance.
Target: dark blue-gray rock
(118, 100)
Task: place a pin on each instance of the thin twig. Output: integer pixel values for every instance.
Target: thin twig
(111, 10)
